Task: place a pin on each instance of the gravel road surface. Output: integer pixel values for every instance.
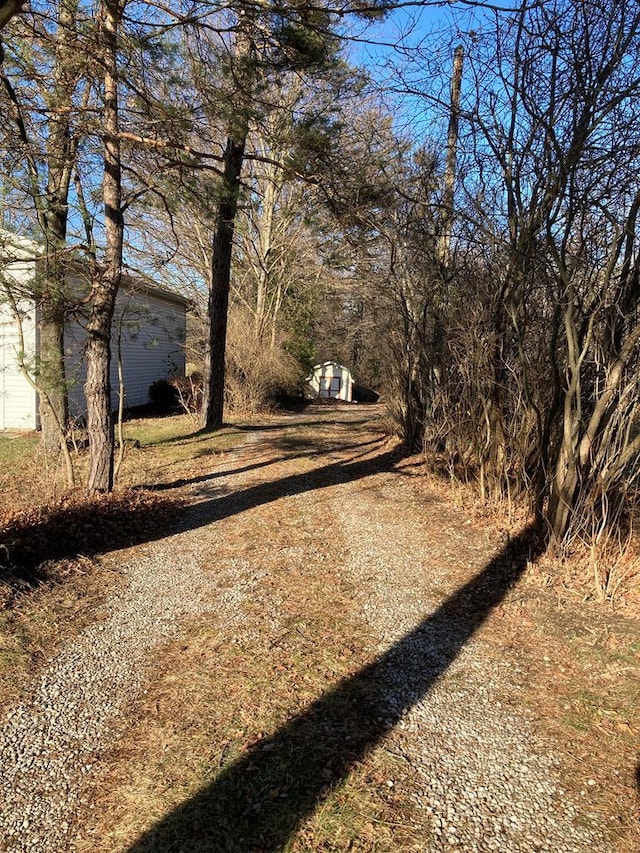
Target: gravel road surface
(483, 778)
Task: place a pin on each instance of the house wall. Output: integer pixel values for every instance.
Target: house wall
(149, 330)
(150, 324)
(18, 400)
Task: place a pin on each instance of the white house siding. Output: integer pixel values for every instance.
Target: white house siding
(149, 329)
(18, 400)
(153, 341)
(330, 379)
(153, 325)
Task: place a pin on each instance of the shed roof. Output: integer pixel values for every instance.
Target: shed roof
(330, 363)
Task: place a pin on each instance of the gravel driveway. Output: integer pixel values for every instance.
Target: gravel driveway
(481, 774)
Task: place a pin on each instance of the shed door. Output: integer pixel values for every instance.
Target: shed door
(334, 390)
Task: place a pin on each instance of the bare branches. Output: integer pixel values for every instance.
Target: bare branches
(9, 8)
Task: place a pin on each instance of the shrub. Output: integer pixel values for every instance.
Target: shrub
(189, 392)
(180, 394)
(164, 397)
(259, 373)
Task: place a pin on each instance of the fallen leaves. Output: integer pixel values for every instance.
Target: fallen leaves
(47, 542)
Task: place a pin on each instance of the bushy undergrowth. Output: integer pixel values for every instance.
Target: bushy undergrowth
(178, 394)
(258, 373)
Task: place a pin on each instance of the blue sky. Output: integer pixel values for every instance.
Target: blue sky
(396, 50)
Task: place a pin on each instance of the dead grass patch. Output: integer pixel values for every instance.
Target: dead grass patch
(51, 612)
(51, 582)
(578, 661)
(51, 579)
(579, 672)
(218, 698)
(221, 701)
(218, 706)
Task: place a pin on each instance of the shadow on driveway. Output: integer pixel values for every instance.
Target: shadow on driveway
(265, 463)
(258, 803)
(32, 540)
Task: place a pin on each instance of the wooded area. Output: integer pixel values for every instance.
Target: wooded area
(458, 227)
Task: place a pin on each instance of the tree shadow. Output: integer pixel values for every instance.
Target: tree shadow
(254, 466)
(87, 527)
(34, 541)
(219, 506)
(303, 422)
(200, 434)
(205, 478)
(286, 421)
(258, 802)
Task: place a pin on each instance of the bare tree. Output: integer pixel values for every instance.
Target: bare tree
(44, 152)
(538, 392)
(104, 287)
(572, 217)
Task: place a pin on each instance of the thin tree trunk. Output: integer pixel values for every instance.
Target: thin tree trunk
(121, 398)
(24, 370)
(51, 367)
(272, 188)
(105, 287)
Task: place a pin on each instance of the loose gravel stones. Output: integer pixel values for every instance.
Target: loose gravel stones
(481, 778)
(51, 743)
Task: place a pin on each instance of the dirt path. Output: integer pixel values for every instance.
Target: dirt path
(325, 656)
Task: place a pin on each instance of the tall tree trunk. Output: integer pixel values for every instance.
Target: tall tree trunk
(51, 370)
(51, 204)
(218, 305)
(61, 153)
(9, 8)
(53, 296)
(220, 281)
(105, 287)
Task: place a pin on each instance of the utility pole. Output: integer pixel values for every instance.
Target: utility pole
(444, 243)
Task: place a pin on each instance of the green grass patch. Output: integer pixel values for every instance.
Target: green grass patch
(170, 449)
(155, 431)
(15, 448)
(181, 431)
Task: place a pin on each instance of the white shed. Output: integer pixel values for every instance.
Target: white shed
(149, 331)
(331, 379)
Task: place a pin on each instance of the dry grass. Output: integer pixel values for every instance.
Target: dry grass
(27, 476)
(37, 619)
(580, 670)
(50, 571)
(580, 664)
(216, 699)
